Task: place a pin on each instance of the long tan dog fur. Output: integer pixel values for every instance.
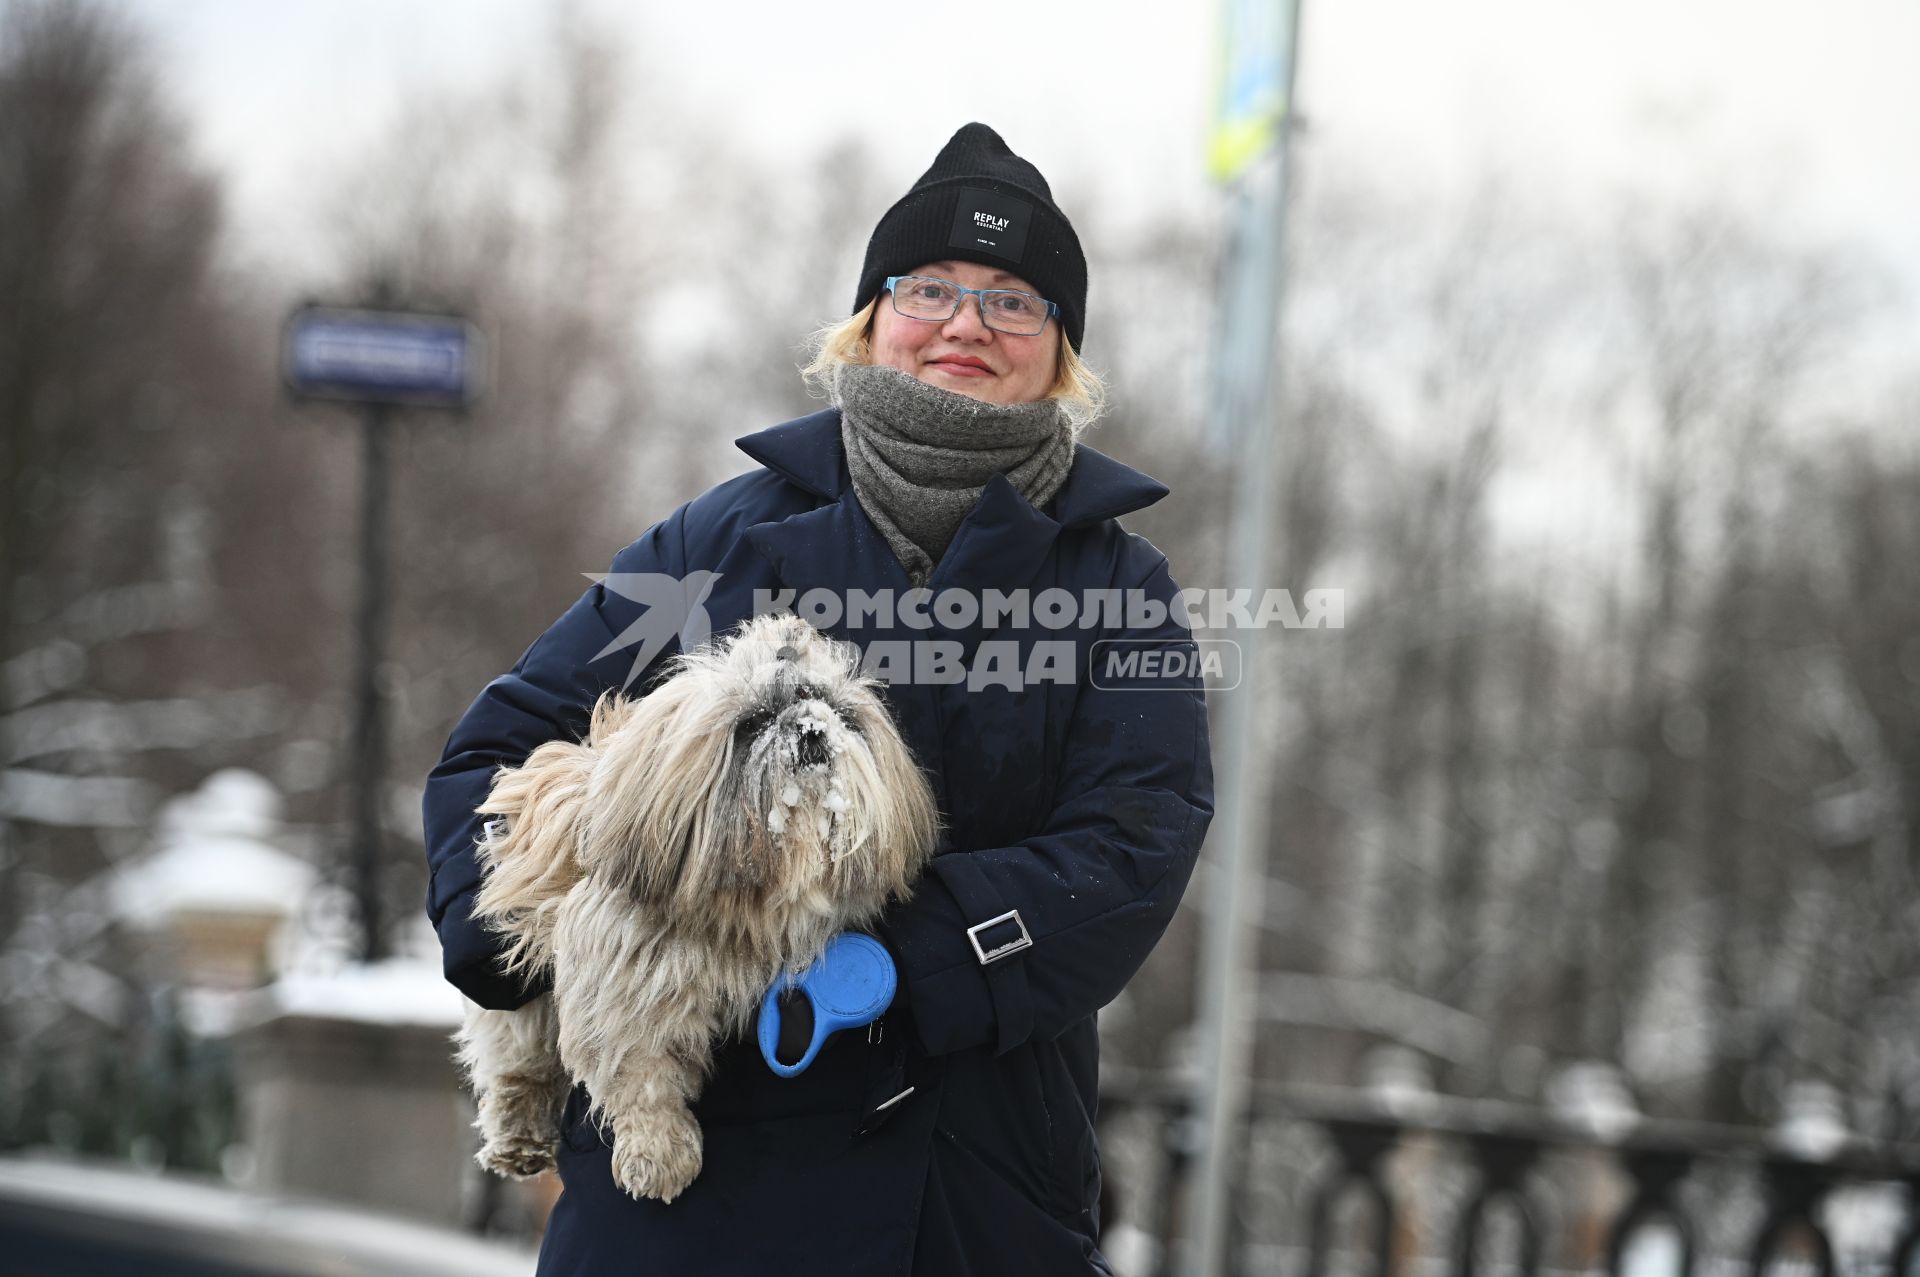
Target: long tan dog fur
(666, 871)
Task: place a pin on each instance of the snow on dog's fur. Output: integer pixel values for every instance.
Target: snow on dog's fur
(666, 871)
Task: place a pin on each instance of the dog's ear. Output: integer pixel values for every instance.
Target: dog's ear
(649, 791)
(528, 852)
(906, 819)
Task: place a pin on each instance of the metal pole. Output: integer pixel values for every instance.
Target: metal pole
(1248, 371)
(368, 760)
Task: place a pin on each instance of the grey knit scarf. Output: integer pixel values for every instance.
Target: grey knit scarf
(920, 456)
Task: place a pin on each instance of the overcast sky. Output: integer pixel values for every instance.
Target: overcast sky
(1810, 110)
(1807, 114)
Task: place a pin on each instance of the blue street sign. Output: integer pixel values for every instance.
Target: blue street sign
(381, 356)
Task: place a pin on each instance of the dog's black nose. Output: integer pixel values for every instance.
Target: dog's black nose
(813, 749)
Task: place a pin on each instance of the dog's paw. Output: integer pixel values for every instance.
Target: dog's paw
(516, 1156)
(656, 1154)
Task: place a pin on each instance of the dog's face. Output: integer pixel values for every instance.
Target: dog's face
(765, 773)
(796, 707)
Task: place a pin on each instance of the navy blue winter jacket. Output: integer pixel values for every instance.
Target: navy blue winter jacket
(1077, 803)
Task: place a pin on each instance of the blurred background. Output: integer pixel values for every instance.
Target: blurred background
(1589, 934)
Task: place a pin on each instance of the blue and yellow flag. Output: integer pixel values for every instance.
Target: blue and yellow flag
(1250, 102)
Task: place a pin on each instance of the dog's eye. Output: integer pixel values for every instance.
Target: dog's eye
(752, 725)
(847, 720)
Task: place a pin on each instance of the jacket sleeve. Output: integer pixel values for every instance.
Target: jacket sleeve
(547, 695)
(1095, 887)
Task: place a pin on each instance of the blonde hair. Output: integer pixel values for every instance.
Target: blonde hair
(1077, 388)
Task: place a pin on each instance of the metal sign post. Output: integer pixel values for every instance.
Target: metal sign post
(381, 360)
(1249, 149)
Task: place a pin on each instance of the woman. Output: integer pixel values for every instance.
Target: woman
(954, 1136)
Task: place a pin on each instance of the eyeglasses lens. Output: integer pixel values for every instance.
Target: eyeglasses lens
(1005, 309)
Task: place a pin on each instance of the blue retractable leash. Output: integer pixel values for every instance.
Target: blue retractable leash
(849, 985)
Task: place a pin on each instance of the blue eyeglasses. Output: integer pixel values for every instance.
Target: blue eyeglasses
(937, 300)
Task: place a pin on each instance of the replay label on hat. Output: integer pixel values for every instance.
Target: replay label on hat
(993, 222)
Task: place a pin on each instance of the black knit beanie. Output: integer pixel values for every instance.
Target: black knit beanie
(982, 203)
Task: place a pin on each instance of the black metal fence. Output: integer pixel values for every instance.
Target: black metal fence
(1512, 1202)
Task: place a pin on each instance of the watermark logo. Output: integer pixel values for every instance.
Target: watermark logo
(1166, 656)
(1150, 665)
(1057, 608)
(675, 607)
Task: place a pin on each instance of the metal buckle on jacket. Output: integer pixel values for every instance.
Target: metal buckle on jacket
(1015, 945)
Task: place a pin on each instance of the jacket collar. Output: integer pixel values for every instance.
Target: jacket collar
(807, 450)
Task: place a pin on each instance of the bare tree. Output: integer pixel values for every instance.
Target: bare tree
(112, 337)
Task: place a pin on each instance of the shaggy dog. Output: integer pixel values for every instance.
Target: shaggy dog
(701, 842)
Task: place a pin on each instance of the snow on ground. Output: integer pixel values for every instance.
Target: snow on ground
(214, 854)
(176, 1210)
(405, 990)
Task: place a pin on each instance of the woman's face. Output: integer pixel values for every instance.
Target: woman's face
(963, 354)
